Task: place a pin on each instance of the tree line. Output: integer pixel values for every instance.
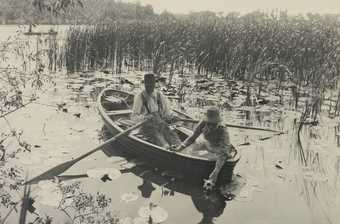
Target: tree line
(70, 11)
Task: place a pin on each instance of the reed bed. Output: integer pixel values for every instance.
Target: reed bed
(256, 45)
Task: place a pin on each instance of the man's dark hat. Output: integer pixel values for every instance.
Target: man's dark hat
(149, 76)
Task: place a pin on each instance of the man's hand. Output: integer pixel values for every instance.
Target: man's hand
(174, 148)
(149, 116)
(175, 119)
(171, 148)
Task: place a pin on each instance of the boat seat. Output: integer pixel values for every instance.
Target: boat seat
(119, 112)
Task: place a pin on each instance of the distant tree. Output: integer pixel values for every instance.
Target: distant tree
(56, 6)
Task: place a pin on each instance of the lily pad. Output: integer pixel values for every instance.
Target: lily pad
(30, 160)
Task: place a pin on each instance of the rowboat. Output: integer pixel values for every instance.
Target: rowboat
(114, 107)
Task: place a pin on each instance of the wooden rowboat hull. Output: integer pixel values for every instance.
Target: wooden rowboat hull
(191, 168)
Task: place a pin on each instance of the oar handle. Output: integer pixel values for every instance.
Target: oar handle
(111, 140)
(234, 126)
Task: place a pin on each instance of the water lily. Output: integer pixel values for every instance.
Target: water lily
(50, 198)
(126, 220)
(128, 165)
(129, 197)
(49, 193)
(115, 159)
(140, 220)
(157, 213)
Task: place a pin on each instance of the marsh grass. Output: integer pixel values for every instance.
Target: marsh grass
(256, 45)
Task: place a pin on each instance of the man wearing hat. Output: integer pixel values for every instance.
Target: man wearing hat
(152, 104)
(217, 140)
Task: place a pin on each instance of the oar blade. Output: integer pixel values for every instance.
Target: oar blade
(53, 172)
(57, 170)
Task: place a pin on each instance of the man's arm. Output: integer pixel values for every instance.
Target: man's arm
(230, 150)
(193, 137)
(137, 108)
(166, 110)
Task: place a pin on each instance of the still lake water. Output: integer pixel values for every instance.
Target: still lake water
(270, 185)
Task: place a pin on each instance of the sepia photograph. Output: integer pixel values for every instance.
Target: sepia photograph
(169, 111)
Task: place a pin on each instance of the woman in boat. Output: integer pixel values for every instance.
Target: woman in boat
(217, 141)
(151, 104)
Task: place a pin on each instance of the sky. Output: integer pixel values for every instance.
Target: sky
(244, 6)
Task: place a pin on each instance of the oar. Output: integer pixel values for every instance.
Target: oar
(235, 126)
(57, 170)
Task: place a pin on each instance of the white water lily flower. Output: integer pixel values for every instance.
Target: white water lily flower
(116, 159)
(47, 185)
(49, 193)
(140, 220)
(128, 165)
(50, 197)
(157, 213)
(128, 197)
(100, 172)
(144, 212)
(126, 220)
(114, 174)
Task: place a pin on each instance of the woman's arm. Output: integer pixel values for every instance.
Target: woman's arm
(230, 150)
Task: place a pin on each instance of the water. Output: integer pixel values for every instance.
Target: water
(270, 183)
(264, 193)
